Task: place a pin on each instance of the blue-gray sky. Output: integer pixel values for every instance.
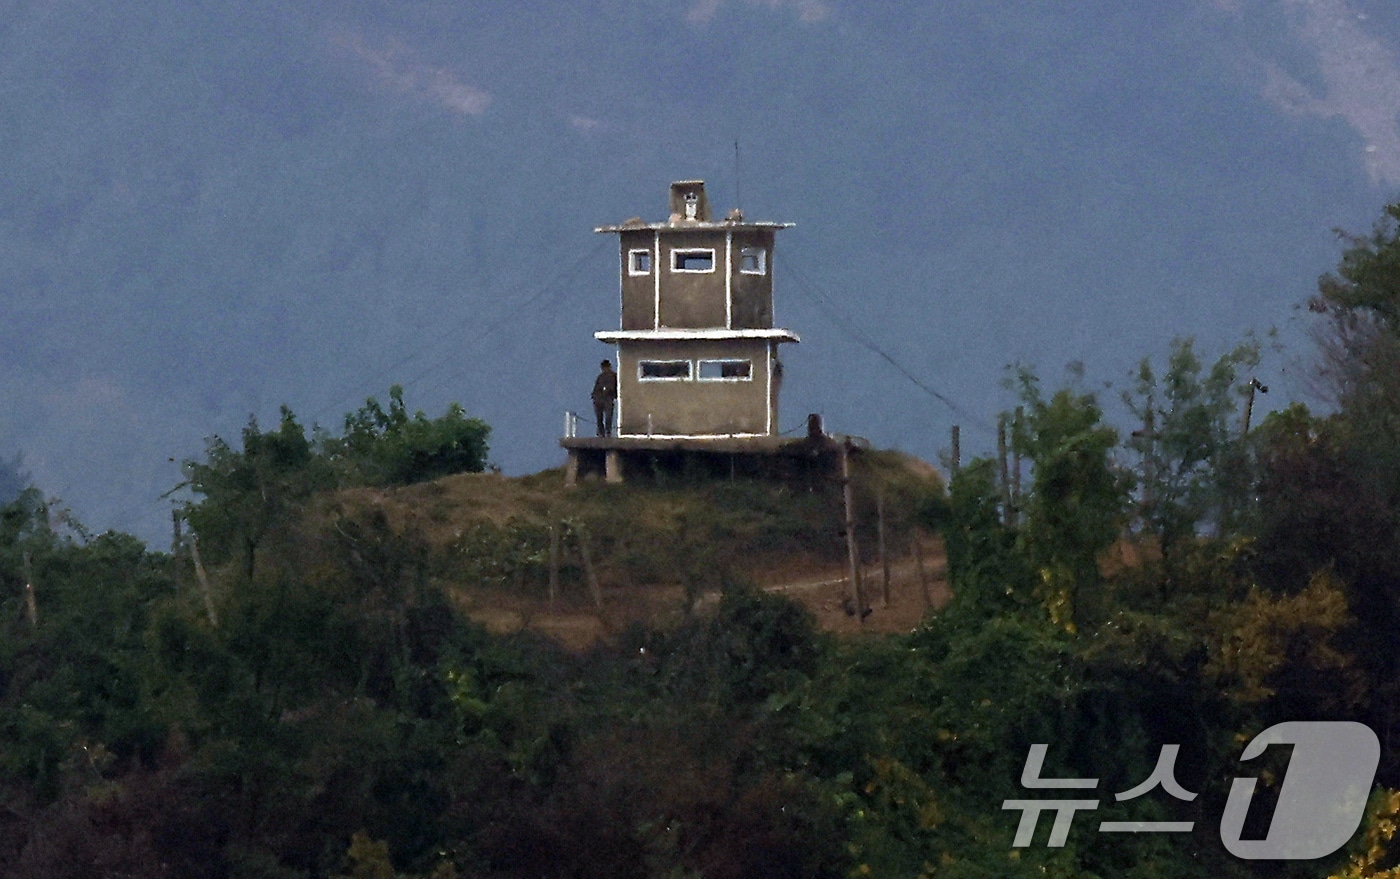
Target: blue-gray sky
(208, 212)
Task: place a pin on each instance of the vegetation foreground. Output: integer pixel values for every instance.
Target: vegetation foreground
(297, 692)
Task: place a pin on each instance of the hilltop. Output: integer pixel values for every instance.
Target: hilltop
(657, 549)
(296, 692)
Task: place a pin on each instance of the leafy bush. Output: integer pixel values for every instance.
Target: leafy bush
(393, 448)
(251, 494)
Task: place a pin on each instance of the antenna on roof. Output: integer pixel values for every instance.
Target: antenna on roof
(738, 201)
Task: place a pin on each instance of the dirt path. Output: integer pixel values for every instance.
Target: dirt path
(831, 601)
(825, 592)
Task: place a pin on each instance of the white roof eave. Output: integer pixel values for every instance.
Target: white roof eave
(675, 335)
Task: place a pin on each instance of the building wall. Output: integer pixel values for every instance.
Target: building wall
(700, 299)
(752, 295)
(638, 291)
(693, 407)
(691, 301)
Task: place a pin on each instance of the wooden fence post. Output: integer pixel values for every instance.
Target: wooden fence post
(919, 564)
(588, 570)
(852, 554)
(880, 532)
(553, 561)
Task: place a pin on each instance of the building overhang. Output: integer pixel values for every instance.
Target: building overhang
(707, 335)
(692, 226)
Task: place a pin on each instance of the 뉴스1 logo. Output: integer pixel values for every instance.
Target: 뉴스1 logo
(1320, 805)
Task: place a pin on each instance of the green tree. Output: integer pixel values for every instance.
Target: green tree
(251, 493)
(390, 446)
(13, 478)
(988, 573)
(1331, 490)
(1078, 496)
(1367, 281)
(1360, 346)
(25, 534)
(1192, 455)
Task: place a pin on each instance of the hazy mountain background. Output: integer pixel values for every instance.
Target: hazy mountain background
(210, 209)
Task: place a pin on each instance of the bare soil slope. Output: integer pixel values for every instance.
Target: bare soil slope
(643, 552)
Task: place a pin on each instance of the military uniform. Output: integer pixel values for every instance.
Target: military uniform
(604, 395)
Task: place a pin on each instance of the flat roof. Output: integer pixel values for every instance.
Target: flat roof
(692, 226)
(673, 335)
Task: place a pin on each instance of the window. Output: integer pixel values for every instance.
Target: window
(663, 370)
(753, 260)
(639, 262)
(698, 260)
(726, 370)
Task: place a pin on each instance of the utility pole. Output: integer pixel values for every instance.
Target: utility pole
(852, 554)
(177, 549)
(1149, 458)
(1249, 403)
(1016, 466)
(1005, 477)
(203, 578)
(957, 450)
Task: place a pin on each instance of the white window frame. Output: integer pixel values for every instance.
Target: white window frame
(676, 254)
(761, 253)
(632, 261)
(700, 365)
(643, 377)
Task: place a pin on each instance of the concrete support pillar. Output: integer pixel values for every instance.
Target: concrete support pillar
(571, 469)
(612, 466)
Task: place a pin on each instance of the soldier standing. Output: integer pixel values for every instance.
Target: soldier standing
(604, 396)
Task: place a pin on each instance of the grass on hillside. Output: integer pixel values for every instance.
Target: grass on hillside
(486, 531)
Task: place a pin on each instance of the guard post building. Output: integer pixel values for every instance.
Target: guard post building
(697, 353)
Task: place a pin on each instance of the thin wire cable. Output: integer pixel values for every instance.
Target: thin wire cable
(510, 309)
(527, 313)
(554, 287)
(844, 322)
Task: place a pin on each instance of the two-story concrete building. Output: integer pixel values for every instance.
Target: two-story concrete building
(697, 354)
(697, 351)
